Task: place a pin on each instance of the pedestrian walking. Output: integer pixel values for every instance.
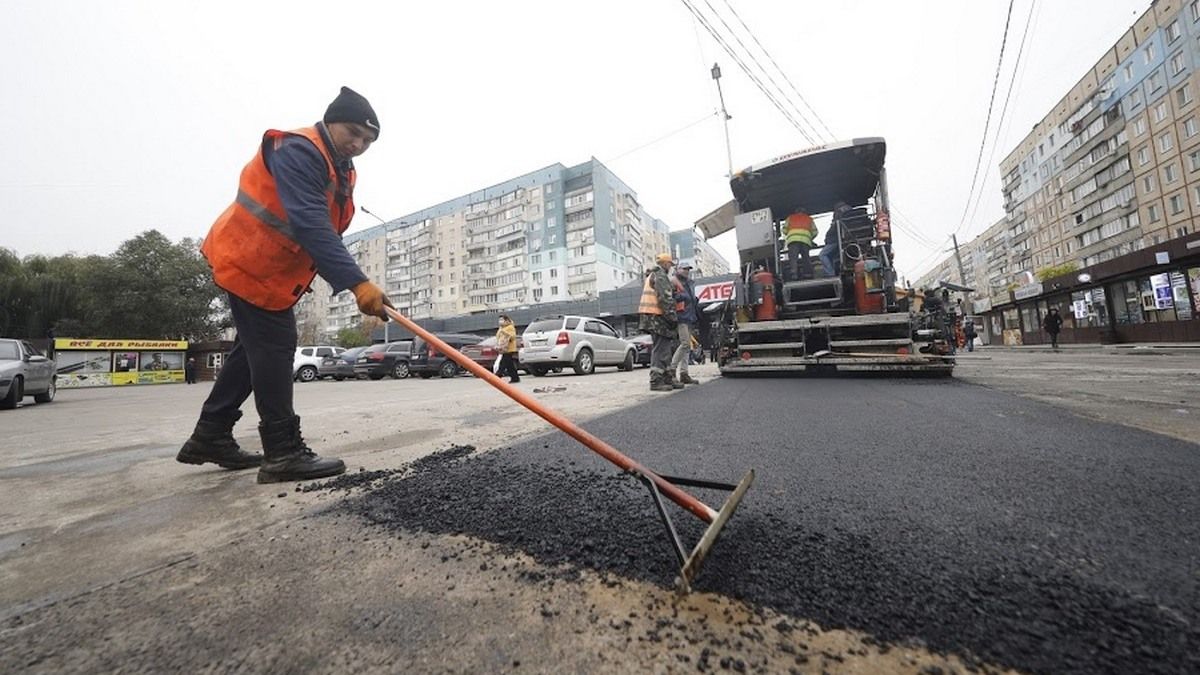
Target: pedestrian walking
(1053, 325)
(189, 371)
(970, 334)
(688, 313)
(295, 199)
(506, 344)
(657, 316)
(799, 232)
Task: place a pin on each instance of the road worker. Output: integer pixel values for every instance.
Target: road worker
(659, 318)
(687, 311)
(799, 232)
(294, 200)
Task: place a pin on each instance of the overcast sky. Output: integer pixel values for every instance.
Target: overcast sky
(125, 116)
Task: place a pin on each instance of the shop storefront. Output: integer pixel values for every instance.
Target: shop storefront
(103, 363)
(1151, 295)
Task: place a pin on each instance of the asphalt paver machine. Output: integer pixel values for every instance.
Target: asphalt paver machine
(849, 318)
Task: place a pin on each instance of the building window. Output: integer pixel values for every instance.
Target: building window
(537, 295)
(1152, 213)
(551, 221)
(554, 290)
(1183, 95)
(1143, 156)
(1128, 72)
(1194, 160)
(1176, 203)
(1139, 126)
(1166, 142)
(1195, 9)
(1160, 112)
(1148, 184)
(554, 273)
(537, 277)
(1135, 99)
(1155, 81)
(1177, 63)
(1170, 174)
(1173, 32)
(1181, 231)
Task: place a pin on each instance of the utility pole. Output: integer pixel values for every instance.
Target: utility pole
(725, 117)
(962, 276)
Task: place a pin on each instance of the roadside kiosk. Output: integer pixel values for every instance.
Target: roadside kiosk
(103, 363)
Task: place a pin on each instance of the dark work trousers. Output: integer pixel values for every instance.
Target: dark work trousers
(798, 260)
(508, 366)
(661, 350)
(1053, 338)
(260, 362)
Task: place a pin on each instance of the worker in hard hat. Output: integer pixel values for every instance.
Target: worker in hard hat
(658, 317)
(799, 232)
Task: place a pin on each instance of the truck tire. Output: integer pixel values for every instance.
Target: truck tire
(585, 363)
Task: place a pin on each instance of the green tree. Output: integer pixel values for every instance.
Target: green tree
(352, 336)
(155, 289)
(1056, 270)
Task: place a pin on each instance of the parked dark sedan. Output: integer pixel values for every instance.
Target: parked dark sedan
(642, 344)
(386, 358)
(340, 367)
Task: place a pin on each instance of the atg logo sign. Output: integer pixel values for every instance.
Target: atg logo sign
(717, 292)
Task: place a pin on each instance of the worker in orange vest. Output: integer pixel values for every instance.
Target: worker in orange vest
(294, 200)
(799, 232)
(659, 318)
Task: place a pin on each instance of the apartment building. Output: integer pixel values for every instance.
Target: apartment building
(689, 246)
(1101, 198)
(987, 267)
(558, 234)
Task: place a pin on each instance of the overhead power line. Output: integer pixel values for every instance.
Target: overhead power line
(745, 69)
(664, 137)
(781, 71)
(987, 122)
(786, 97)
(1004, 110)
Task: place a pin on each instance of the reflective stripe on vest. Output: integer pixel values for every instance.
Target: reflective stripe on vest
(649, 303)
(799, 228)
(252, 248)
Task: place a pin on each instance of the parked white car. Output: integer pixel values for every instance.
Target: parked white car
(24, 371)
(578, 341)
(306, 365)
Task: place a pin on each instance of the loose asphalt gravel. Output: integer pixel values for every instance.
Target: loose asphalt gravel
(928, 513)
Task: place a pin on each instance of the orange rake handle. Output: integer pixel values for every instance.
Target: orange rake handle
(671, 491)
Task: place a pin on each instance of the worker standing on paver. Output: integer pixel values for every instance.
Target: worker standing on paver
(659, 318)
(799, 233)
(685, 309)
(294, 201)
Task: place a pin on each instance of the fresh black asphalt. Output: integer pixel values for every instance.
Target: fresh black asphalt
(920, 512)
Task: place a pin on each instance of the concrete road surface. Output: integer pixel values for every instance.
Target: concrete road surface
(896, 526)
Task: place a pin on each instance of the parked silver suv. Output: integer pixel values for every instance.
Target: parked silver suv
(579, 341)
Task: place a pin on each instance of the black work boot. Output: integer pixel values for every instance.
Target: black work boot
(287, 456)
(657, 383)
(670, 381)
(212, 441)
(687, 379)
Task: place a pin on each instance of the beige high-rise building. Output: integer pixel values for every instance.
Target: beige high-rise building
(556, 234)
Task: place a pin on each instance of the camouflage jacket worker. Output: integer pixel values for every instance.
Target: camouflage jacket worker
(664, 324)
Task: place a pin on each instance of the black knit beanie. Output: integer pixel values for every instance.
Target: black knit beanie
(350, 106)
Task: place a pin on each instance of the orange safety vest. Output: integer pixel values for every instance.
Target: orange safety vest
(800, 228)
(649, 303)
(251, 247)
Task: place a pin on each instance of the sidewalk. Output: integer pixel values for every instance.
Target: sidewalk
(1094, 347)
